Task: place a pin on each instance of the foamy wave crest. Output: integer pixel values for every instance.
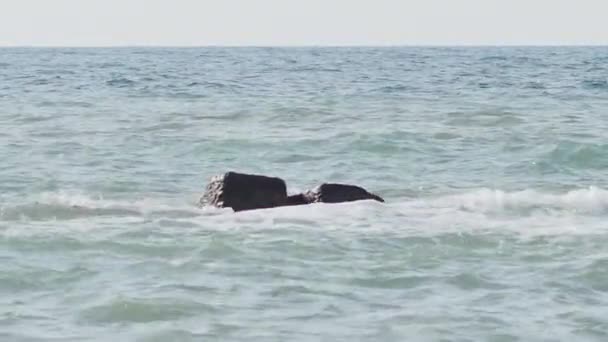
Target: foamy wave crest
(71, 205)
(592, 200)
(478, 209)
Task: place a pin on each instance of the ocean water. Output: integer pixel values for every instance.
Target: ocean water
(493, 162)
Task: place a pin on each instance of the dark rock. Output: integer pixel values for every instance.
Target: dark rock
(298, 199)
(338, 193)
(245, 192)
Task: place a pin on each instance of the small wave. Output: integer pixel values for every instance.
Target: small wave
(484, 119)
(171, 335)
(42, 81)
(582, 201)
(395, 89)
(143, 310)
(69, 206)
(41, 278)
(167, 126)
(494, 58)
(57, 72)
(314, 69)
(75, 104)
(446, 136)
(470, 281)
(212, 85)
(596, 84)
(396, 282)
(579, 155)
(186, 95)
(596, 68)
(35, 118)
(298, 158)
(220, 117)
(106, 65)
(535, 85)
(120, 82)
(42, 212)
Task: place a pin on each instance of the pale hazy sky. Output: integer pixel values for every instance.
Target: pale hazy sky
(302, 22)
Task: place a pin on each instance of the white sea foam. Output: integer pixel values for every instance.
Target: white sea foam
(529, 211)
(592, 200)
(68, 205)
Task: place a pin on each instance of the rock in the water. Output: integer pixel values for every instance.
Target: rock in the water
(298, 199)
(245, 192)
(338, 193)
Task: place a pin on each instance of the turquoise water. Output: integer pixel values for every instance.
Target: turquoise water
(492, 161)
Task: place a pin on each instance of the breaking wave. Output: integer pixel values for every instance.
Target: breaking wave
(58, 206)
(592, 200)
(67, 206)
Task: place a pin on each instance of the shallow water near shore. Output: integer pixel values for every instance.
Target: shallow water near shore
(492, 162)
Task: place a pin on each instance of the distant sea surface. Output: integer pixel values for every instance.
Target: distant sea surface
(493, 163)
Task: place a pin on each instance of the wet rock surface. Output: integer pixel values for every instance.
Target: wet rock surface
(244, 192)
(241, 191)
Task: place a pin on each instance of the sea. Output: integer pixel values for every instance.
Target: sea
(493, 162)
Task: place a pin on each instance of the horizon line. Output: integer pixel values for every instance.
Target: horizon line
(301, 45)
